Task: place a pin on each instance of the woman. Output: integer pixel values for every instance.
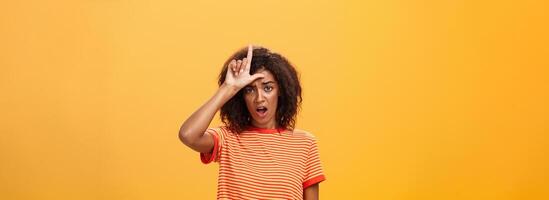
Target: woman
(260, 153)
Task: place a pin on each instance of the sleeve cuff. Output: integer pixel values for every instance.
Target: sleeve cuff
(314, 180)
(211, 156)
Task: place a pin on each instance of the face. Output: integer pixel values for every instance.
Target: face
(261, 98)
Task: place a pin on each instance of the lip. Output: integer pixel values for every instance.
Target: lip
(261, 115)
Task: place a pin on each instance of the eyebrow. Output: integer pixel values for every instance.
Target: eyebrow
(265, 83)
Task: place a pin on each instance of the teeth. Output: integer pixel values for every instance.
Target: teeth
(261, 109)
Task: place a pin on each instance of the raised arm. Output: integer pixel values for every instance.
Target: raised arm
(238, 76)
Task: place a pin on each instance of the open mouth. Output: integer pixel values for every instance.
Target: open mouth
(261, 110)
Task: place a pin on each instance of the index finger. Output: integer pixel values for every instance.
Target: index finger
(249, 57)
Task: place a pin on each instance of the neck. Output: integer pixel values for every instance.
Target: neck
(268, 125)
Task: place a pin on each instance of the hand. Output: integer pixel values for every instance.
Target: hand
(238, 71)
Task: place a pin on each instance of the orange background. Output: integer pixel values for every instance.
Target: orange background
(409, 99)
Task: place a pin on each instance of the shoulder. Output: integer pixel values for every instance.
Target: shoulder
(305, 134)
(220, 130)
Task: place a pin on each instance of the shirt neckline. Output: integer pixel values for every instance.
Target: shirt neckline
(265, 130)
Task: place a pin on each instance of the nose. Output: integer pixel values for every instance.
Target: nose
(260, 98)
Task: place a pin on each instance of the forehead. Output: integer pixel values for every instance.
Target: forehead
(268, 77)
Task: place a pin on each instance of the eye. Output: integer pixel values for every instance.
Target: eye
(268, 88)
(248, 90)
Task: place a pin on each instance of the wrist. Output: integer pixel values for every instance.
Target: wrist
(231, 90)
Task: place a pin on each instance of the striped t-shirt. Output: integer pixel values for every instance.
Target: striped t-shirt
(264, 163)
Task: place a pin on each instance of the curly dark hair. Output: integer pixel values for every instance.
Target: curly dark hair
(234, 113)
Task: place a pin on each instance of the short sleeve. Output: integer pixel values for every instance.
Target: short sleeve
(313, 168)
(215, 153)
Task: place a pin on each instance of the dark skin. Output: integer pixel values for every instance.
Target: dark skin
(262, 91)
(311, 192)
